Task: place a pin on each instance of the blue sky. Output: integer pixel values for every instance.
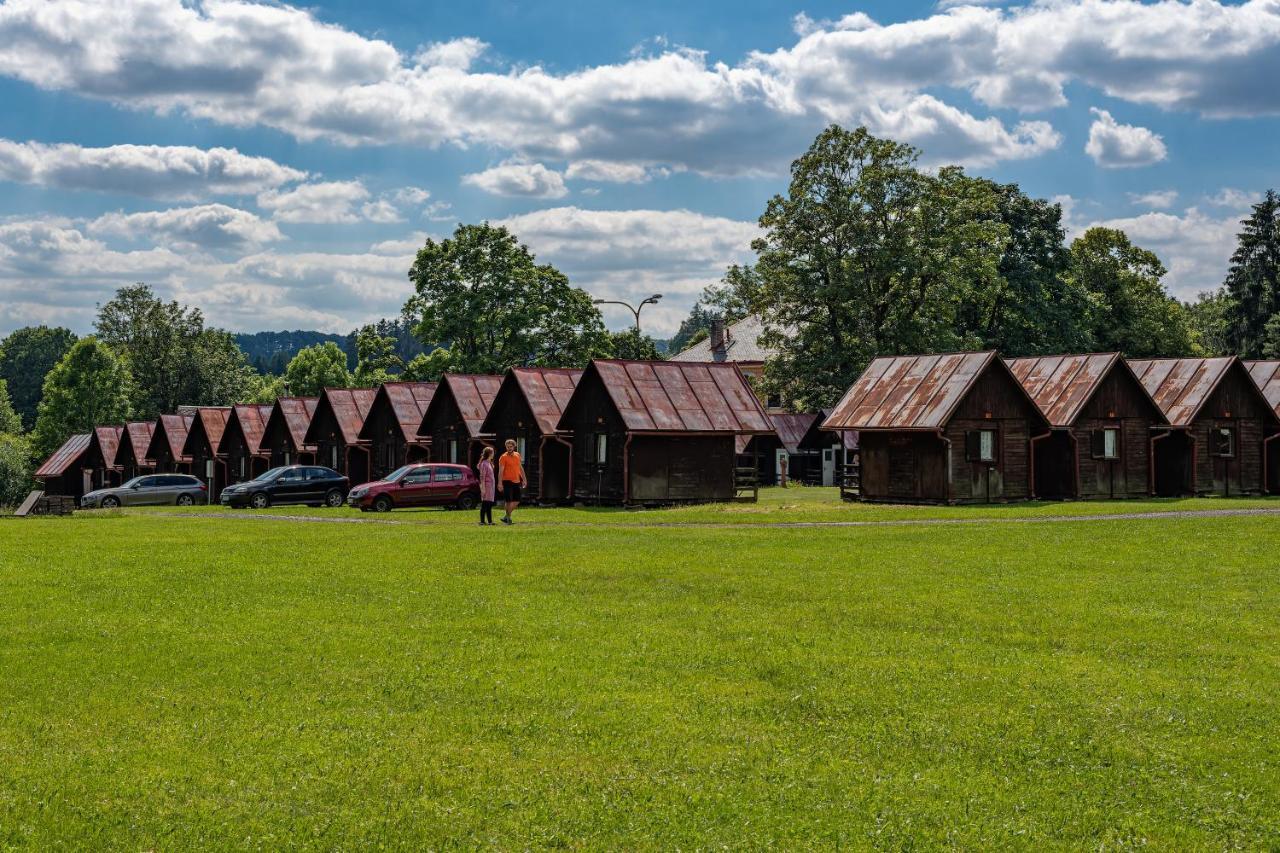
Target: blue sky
(278, 165)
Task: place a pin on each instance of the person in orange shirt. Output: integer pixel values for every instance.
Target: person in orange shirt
(511, 473)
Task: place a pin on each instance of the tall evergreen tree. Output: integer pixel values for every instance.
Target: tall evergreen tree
(1253, 281)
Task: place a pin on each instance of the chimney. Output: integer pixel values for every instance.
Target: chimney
(717, 339)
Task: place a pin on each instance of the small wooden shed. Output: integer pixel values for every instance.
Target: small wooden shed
(1100, 426)
(202, 447)
(1218, 420)
(284, 434)
(451, 422)
(1266, 375)
(335, 431)
(654, 432)
(391, 426)
(953, 428)
(64, 473)
(527, 409)
(131, 453)
(241, 442)
(100, 458)
(167, 443)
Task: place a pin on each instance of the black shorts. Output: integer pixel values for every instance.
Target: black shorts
(510, 491)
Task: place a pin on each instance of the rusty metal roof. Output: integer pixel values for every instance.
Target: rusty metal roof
(348, 406)
(296, 412)
(546, 390)
(64, 457)
(173, 429)
(472, 394)
(1181, 386)
(909, 391)
(139, 433)
(251, 419)
(408, 402)
(209, 422)
(1061, 385)
(792, 428)
(107, 438)
(681, 397)
(1266, 375)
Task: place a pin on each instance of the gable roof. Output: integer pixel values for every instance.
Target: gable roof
(1062, 385)
(679, 397)
(914, 391)
(174, 428)
(250, 420)
(546, 391)
(473, 395)
(107, 438)
(296, 413)
(741, 343)
(408, 402)
(1266, 375)
(348, 407)
(1181, 386)
(64, 457)
(210, 421)
(137, 436)
(792, 428)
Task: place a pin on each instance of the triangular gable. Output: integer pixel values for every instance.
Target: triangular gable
(1182, 386)
(249, 421)
(471, 394)
(1063, 385)
(106, 442)
(293, 416)
(1266, 375)
(545, 391)
(347, 407)
(206, 430)
(171, 433)
(407, 402)
(65, 457)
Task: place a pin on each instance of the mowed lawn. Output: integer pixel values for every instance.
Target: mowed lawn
(592, 679)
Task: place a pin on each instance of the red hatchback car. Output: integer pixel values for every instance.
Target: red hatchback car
(426, 484)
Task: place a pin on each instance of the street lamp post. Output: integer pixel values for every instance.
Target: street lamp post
(635, 310)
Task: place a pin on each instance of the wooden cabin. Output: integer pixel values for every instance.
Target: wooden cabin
(1218, 420)
(241, 442)
(391, 426)
(64, 473)
(771, 451)
(1266, 375)
(131, 453)
(952, 428)
(1100, 426)
(451, 422)
(100, 458)
(167, 443)
(202, 447)
(527, 409)
(284, 434)
(335, 431)
(657, 432)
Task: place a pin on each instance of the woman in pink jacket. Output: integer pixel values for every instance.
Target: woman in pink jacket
(488, 487)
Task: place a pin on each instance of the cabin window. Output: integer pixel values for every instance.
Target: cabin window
(333, 457)
(598, 448)
(243, 462)
(286, 457)
(1106, 443)
(520, 444)
(1224, 441)
(980, 445)
(453, 450)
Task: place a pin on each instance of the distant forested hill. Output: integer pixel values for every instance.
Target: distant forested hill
(270, 352)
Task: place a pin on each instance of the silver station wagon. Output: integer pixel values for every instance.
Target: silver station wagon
(150, 489)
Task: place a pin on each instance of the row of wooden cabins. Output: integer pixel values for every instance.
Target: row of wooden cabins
(973, 427)
(616, 432)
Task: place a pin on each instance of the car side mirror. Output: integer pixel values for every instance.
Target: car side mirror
(136, 486)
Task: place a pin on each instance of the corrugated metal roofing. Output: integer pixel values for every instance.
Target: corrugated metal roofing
(1181, 386)
(682, 397)
(252, 420)
(108, 440)
(64, 457)
(792, 428)
(909, 391)
(297, 412)
(210, 421)
(139, 433)
(173, 429)
(1061, 385)
(349, 407)
(473, 395)
(546, 390)
(409, 402)
(1266, 375)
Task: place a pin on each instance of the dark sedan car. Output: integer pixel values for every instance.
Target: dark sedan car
(292, 484)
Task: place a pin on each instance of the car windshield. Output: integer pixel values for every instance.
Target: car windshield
(396, 475)
(134, 482)
(270, 475)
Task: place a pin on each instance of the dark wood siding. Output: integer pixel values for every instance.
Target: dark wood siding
(669, 469)
(1236, 406)
(593, 413)
(447, 425)
(903, 466)
(1118, 403)
(511, 418)
(995, 402)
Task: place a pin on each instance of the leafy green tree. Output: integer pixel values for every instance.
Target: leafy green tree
(263, 389)
(1253, 281)
(89, 387)
(26, 356)
(1132, 312)
(15, 469)
(315, 368)
(1209, 317)
(376, 358)
(481, 294)
(427, 367)
(10, 421)
(866, 255)
(631, 344)
(172, 357)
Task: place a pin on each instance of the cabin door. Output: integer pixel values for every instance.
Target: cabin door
(829, 466)
(780, 465)
(86, 481)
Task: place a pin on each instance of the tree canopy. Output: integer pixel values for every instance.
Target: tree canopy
(10, 420)
(315, 368)
(1253, 281)
(89, 387)
(26, 356)
(376, 357)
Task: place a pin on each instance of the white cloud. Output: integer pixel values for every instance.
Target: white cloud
(1234, 198)
(205, 227)
(606, 172)
(331, 202)
(531, 180)
(157, 171)
(1158, 199)
(1115, 146)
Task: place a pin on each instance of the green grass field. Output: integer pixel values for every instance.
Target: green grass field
(679, 678)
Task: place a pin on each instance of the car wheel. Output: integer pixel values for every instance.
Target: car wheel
(260, 501)
(382, 503)
(333, 499)
(185, 500)
(110, 502)
(467, 501)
